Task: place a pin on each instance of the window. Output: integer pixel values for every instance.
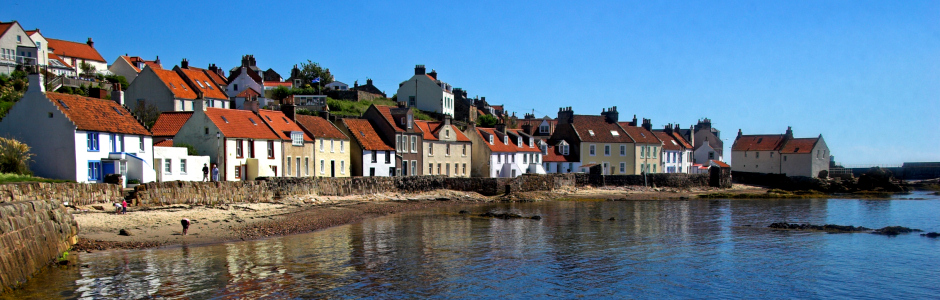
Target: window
(591, 147)
(447, 150)
(506, 140)
(388, 157)
(142, 147)
(414, 167)
(464, 169)
(404, 168)
(564, 150)
(113, 142)
(236, 86)
(288, 165)
(591, 132)
(411, 101)
(430, 149)
(499, 158)
(623, 150)
(342, 167)
(270, 149)
(491, 140)
(238, 172)
(93, 144)
(446, 133)
(447, 168)
(375, 157)
(623, 167)
(239, 151)
(94, 170)
(655, 150)
(321, 145)
(513, 158)
(771, 155)
(342, 147)
(414, 145)
(297, 138)
(614, 133)
(168, 166)
(464, 150)
(321, 167)
(543, 129)
(757, 155)
(332, 147)
(784, 158)
(654, 168)
(306, 166)
(606, 150)
(439, 169)
(711, 155)
(525, 158)
(430, 169)
(397, 143)
(519, 142)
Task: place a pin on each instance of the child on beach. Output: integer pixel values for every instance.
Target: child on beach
(124, 207)
(117, 208)
(185, 223)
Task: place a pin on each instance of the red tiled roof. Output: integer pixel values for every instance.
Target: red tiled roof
(386, 112)
(204, 84)
(457, 134)
(796, 146)
(720, 163)
(497, 145)
(30, 32)
(56, 57)
(319, 127)
(164, 143)
(281, 124)
(175, 83)
(525, 145)
(640, 134)
(432, 131)
(554, 155)
(4, 27)
(535, 123)
(276, 83)
(218, 79)
(366, 135)
(91, 114)
(153, 64)
(669, 143)
(170, 122)
(235, 123)
(678, 137)
(73, 49)
(764, 142)
(247, 93)
(425, 127)
(130, 61)
(602, 129)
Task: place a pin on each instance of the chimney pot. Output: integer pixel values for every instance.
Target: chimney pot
(90, 43)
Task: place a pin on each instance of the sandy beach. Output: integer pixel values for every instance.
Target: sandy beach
(160, 226)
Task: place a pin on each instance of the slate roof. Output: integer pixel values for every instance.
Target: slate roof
(175, 83)
(235, 123)
(73, 49)
(366, 135)
(281, 125)
(640, 134)
(92, 114)
(763, 142)
(170, 122)
(797, 146)
(319, 127)
(204, 84)
(602, 129)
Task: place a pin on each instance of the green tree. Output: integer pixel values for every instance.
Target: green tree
(118, 79)
(486, 121)
(190, 150)
(281, 92)
(87, 69)
(147, 114)
(306, 112)
(311, 70)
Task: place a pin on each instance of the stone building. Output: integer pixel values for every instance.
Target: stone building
(446, 151)
(706, 142)
(370, 155)
(396, 126)
(780, 154)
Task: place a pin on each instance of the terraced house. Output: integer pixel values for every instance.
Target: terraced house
(396, 126)
(647, 147)
(498, 152)
(332, 149)
(370, 156)
(447, 151)
(174, 90)
(676, 156)
(596, 140)
(296, 145)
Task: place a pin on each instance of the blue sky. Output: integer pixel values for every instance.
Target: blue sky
(864, 74)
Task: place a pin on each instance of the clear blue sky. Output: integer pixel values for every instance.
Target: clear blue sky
(865, 75)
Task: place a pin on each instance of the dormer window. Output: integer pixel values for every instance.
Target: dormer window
(614, 133)
(491, 140)
(530, 143)
(506, 140)
(519, 142)
(591, 132)
(564, 150)
(543, 129)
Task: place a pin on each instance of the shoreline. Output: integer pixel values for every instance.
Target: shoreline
(160, 226)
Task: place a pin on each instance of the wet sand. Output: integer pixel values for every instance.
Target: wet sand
(160, 226)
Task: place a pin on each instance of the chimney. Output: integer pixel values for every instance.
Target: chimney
(691, 136)
(501, 127)
(117, 94)
(419, 70)
(433, 74)
(368, 81)
(289, 110)
(184, 64)
(199, 105)
(447, 120)
(356, 84)
(527, 127)
(252, 105)
(611, 115)
(157, 61)
(565, 115)
(35, 81)
(648, 124)
(90, 43)
(789, 132)
(668, 129)
(739, 133)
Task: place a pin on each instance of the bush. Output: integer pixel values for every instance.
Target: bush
(306, 112)
(190, 150)
(14, 157)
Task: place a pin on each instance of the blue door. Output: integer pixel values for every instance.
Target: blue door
(108, 167)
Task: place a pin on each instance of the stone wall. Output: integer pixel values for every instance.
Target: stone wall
(655, 180)
(73, 193)
(32, 234)
(202, 193)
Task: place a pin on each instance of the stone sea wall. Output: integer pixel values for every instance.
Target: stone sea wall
(74, 193)
(32, 235)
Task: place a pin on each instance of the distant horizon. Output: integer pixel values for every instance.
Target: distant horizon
(864, 74)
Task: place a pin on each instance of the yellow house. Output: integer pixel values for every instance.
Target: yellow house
(331, 150)
(647, 147)
(597, 140)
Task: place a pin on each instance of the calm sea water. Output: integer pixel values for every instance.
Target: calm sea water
(652, 249)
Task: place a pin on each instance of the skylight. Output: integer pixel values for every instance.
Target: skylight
(117, 111)
(759, 140)
(269, 118)
(224, 119)
(591, 132)
(199, 83)
(614, 133)
(252, 121)
(63, 104)
(285, 120)
(172, 85)
(642, 134)
(674, 142)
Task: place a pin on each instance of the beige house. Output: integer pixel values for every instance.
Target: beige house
(647, 147)
(780, 154)
(297, 146)
(130, 66)
(447, 151)
(173, 90)
(331, 151)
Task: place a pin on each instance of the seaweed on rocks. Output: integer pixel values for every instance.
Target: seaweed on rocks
(508, 216)
(832, 228)
(932, 235)
(895, 230)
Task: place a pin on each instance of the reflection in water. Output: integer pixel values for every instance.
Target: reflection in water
(635, 249)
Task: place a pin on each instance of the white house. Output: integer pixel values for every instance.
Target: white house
(705, 153)
(780, 154)
(559, 158)
(237, 140)
(427, 93)
(173, 163)
(498, 152)
(528, 153)
(676, 156)
(15, 47)
(337, 86)
(370, 156)
(77, 53)
(79, 138)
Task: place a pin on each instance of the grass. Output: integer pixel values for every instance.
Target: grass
(14, 178)
(357, 108)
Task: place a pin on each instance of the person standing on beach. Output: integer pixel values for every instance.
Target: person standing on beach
(205, 172)
(215, 172)
(117, 208)
(185, 223)
(124, 207)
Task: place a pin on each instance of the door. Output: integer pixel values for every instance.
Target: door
(108, 167)
(332, 168)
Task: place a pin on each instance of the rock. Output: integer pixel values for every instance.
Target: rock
(97, 207)
(442, 199)
(895, 230)
(931, 235)
(612, 219)
(125, 232)
(463, 212)
(536, 217)
(832, 228)
(501, 215)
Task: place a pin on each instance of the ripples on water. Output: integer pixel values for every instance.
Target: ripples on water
(652, 249)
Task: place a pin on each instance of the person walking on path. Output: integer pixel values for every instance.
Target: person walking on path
(185, 223)
(205, 172)
(124, 207)
(215, 172)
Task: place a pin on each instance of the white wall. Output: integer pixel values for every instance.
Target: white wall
(175, 155)
(381, 168)
(700, 156)
(123, 67)
(430, 96)
(756, 161)
(243, 81)
(51, 139)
